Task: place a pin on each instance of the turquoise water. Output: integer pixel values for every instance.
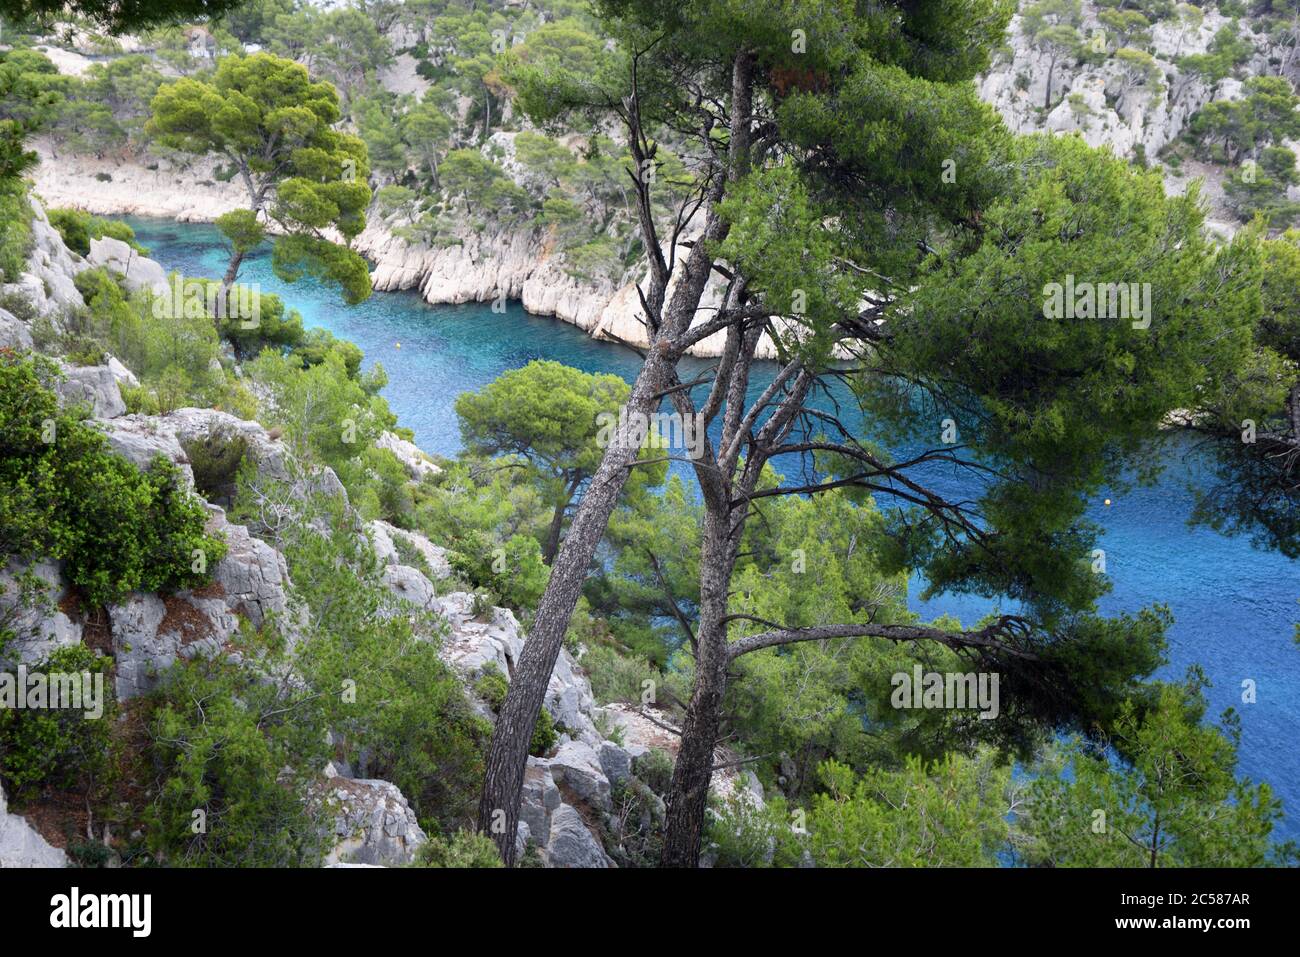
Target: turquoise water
(1234, 606)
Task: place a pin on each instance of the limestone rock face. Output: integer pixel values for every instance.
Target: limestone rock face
(93, 386)
(252, 577)
(14, 333)
(386, 539)
(150, 633)
(572, 844)
(412, 457)
(137, 272)
(42, 627)
(372, 824)
(185, 190)
(141, 438)
(47, 282)
(21, 845)
(496, 638)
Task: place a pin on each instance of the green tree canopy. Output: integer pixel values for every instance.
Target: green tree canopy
(549, 416)
(266, 117)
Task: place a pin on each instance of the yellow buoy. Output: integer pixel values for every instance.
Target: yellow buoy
(1107, 501)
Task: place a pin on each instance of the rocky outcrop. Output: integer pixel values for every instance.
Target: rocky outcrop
(413, 458)
(568, 795)
(94, 387)
(495, 638)
(372, 823)
(141, 438)
(14, 333)
(137, 271)
(47, 283)
(386, 538)
(21, 845)
(40, 623)
(151, 632)
(195, 426)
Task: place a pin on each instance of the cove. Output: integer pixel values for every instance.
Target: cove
(1234, 606)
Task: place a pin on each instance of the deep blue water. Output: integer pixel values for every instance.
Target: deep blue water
(1234, 606)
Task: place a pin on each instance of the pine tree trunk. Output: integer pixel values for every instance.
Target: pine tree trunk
(688, 795)
(498, 812)
(232, 271)
(553, 535)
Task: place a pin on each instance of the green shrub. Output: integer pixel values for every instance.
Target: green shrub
(78, 229)
(513, 570)
(139, 400)
(215, 460)
(19, 306)
(462, 849)
(741, 833)
(65, 496)
(615, 676)
(544, 735)
(492, 686)
(60, 747)
(15, 231)
(235, 761)
(655, 768)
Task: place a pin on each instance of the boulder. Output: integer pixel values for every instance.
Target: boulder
(572, 844)
(372, 824)
(576, 768)
(121, 373)
(21, 845)
(42, 627)
(94, 386)
(409, 584)
(141, 438)
(615, 761)
(137, 272)
(412, 457)
(14, 333)
(539, 799)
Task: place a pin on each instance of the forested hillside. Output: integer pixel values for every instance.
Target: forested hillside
(667, 621)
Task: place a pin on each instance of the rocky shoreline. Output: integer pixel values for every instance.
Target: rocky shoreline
(516, 264)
